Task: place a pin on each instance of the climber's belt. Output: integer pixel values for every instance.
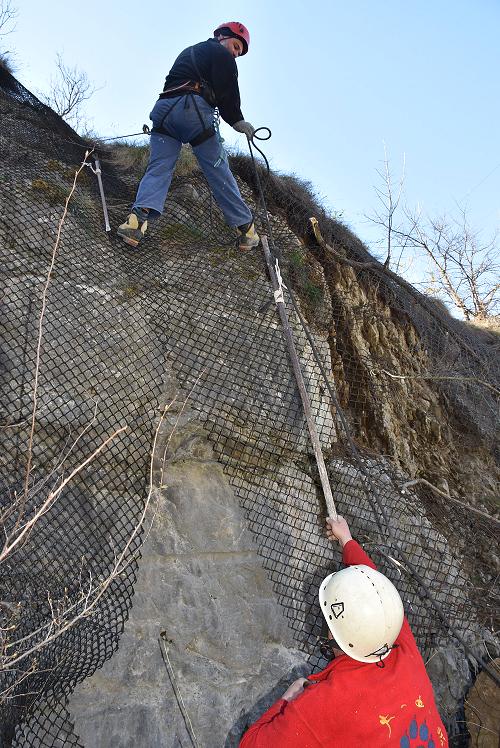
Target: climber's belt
(184, 88)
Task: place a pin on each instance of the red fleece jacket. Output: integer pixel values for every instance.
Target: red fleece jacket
(354, 704)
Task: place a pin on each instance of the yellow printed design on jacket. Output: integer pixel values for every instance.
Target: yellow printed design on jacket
(417, 734)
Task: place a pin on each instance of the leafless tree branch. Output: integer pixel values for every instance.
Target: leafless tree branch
(22, 529)
(8, 15)
(13, 649)
(467, 268)
(68, 90)
(40, 330)
(447, 496)
(463, 268)
(390, 202)
(438, 377)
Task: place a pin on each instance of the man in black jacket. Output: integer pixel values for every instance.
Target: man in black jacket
(203, 77)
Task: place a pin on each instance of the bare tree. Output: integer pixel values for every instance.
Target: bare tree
(68, 90)
(8, 15)
(389, 199)
(462, 268)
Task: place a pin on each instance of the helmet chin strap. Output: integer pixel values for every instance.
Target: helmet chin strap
(381, 652)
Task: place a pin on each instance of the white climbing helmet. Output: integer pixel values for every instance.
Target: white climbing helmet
(363, 611)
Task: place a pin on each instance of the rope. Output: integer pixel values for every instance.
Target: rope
(278, 285)
(89, 143)
(260, 137)
(145, 131)
(251, 142)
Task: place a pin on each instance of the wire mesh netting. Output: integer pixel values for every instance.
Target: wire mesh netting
(112, 320)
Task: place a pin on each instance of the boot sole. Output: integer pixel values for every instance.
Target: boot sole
(128, 239)
(246, 247)
(130, 242)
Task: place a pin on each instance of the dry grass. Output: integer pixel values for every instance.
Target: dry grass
(492, 324)
(295, 200)
(187, 163)
(132, 160)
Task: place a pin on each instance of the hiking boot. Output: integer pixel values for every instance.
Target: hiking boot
(248, 238)
(133, 230)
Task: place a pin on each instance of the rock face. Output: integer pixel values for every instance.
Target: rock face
(482, 711)
(202, 583)
(410, 418)
(233, 548)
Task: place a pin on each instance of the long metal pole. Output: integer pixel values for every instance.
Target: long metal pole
(306, 404)
(97, 172)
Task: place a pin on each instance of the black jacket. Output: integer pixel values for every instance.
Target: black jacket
(218, 68)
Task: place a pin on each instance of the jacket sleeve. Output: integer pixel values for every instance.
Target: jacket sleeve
(354, 554)
(279, 727)
(224, 78)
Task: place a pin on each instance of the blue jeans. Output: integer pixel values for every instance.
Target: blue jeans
(179, 118)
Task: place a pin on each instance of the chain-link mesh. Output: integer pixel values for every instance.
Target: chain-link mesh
(112, 321)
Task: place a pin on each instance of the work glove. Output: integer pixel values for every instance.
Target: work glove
(244, 127)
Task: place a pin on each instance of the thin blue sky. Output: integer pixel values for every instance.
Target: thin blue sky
(333, 81)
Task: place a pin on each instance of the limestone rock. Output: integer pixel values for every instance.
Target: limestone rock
(482, 710)
(202, 583)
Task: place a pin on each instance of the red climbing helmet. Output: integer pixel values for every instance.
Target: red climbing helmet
(235, 29)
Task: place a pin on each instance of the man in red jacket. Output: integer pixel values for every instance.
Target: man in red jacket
(376, 692)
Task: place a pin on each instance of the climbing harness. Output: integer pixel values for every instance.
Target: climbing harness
(191, 89)
(206, 132)
(206, 89)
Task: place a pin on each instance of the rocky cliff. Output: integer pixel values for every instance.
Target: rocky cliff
(223, 575)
